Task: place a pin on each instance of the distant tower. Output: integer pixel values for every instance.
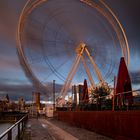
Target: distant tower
(7, 98)
(37, 100)
(74, 94)
(85, 97)
(77, 93)
(21, 103)
(80, 91)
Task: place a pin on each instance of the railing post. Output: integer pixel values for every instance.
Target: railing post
(53, 97)
(10, 135)
(18, 131)
(22, 125)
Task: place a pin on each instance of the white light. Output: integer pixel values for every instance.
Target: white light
(77, 98)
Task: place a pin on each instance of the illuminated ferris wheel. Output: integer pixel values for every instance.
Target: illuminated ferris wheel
(69, 41)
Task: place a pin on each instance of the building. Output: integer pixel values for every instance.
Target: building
(77, 94)
(36, 99)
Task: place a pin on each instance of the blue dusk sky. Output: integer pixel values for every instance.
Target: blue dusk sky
(12, 77)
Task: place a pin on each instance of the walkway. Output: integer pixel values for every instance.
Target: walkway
(50, 129)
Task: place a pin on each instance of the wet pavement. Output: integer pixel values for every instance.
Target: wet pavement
(50, 129)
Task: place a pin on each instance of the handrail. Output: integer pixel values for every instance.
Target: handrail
(9, 130)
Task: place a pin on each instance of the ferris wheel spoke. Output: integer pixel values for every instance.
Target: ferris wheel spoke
(57, 69)
(59, 52)
(59, 42)
(63, 32)
(35, 21)
(59, 75)
(52, 41)
(36, 60)
(44, 26)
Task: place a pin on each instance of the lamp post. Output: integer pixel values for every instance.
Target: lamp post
(53, 97)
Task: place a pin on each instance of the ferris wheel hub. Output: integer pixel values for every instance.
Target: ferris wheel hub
(80, 48)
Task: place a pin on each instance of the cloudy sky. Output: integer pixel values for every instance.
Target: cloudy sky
(12, 77)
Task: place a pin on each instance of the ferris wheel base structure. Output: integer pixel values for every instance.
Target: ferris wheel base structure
(80, 50)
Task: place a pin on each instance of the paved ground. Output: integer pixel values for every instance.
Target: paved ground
(50, 129)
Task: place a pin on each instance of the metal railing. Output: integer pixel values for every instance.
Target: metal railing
(20, 128)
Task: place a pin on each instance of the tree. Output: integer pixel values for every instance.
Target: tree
(100, 93)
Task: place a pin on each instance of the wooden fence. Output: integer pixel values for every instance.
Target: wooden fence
(119, 125)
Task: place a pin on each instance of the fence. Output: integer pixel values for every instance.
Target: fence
(19, 125)
(119, 125)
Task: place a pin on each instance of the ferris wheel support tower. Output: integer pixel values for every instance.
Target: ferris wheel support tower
(80, 50)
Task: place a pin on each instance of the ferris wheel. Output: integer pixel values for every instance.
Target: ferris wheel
(69, 41)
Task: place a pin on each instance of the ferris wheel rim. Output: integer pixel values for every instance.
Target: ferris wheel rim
(25, 13)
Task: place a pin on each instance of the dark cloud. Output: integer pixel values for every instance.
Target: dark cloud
(25, 90)
(128, 12)
(135, 77)
(15, 81)
(16, 91)
(8, 20)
